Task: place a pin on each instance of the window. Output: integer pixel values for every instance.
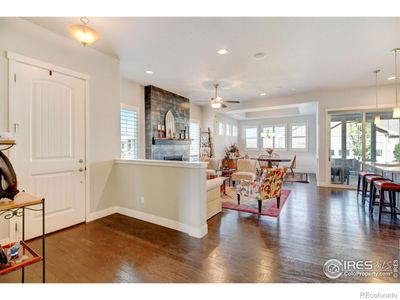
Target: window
(299, 136)
(234, 130)
(194, 133)
(274, 136)
(251, 137)
(228, 130)
(129, 133)
(221, 128)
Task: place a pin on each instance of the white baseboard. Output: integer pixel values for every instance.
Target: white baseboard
(197, 232)
(101, 213)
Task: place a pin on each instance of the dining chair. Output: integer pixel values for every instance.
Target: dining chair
(293, 165)
(275, 163)
(262, 161)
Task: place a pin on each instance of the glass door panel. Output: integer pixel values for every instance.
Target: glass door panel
(346, 147)
(382, 140)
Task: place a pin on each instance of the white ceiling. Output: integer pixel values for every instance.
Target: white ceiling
(293, 110)
(302, 54)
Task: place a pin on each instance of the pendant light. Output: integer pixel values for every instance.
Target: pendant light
(396, 110)
(377, 119)
(83, 33)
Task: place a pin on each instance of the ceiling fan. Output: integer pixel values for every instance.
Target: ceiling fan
(218, 102)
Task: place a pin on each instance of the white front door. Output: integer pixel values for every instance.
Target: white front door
(49, 158)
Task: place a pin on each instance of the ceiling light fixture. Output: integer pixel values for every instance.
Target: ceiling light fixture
(222, 51)
(259, 55)
(263, 94)
(396, 110)
(83, 33)
(216, 104)
(377, 119)
(149, 72)
(391, 78)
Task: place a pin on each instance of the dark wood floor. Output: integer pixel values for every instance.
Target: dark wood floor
(316, 224)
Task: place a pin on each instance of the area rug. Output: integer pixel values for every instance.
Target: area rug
(298, 177)
(250, 205)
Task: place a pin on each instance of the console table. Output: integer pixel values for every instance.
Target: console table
(16, 208)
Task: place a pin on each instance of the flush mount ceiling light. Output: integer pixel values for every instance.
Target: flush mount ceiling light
(83, 33)
(222, 51)
(392, 78)
(259, 55)
(377, 119)
(263, 94)
(149, 72)
(396, 110)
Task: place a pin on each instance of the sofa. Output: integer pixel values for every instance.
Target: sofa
(214, 201)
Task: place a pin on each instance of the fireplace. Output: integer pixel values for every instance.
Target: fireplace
(159, 103)
(174, 157)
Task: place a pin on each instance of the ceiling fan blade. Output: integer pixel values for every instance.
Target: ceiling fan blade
(231, 101)
(223, 105)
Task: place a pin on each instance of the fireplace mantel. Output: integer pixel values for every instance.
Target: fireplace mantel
(171, 142)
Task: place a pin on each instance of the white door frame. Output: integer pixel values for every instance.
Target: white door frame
(13, 58)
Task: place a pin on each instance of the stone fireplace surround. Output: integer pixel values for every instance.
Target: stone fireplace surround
(157, 103)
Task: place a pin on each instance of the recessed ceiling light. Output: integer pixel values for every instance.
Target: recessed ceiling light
(263, 94)
(222, 51)
(149, 72)
(259, 55)
(392, 78)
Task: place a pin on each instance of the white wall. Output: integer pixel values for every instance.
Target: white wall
(306, 159)
(196, 114)
(223, 141)
(22, 37)
(171, 194)
(132, 94)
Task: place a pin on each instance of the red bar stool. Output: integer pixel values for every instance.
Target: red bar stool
(361, 176)
(392, 188)
(369, 181)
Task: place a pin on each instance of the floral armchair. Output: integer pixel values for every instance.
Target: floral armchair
(269, 186)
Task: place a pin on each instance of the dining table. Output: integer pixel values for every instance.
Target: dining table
(271, 160)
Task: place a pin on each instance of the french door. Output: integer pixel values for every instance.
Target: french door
(49, 110)
(354, 137)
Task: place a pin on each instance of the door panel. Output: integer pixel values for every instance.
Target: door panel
(51, 120)
(49, 160)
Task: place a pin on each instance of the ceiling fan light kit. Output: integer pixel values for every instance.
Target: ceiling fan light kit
(218, 102)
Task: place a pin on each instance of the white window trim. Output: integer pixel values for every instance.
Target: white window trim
(228, 133)
(223, 128)
(285, 149)
(135, 109)
(257, 137)
(237, 130)
(198, 123)
(291, 137)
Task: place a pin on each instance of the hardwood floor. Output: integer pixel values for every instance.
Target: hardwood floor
(316, 224)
